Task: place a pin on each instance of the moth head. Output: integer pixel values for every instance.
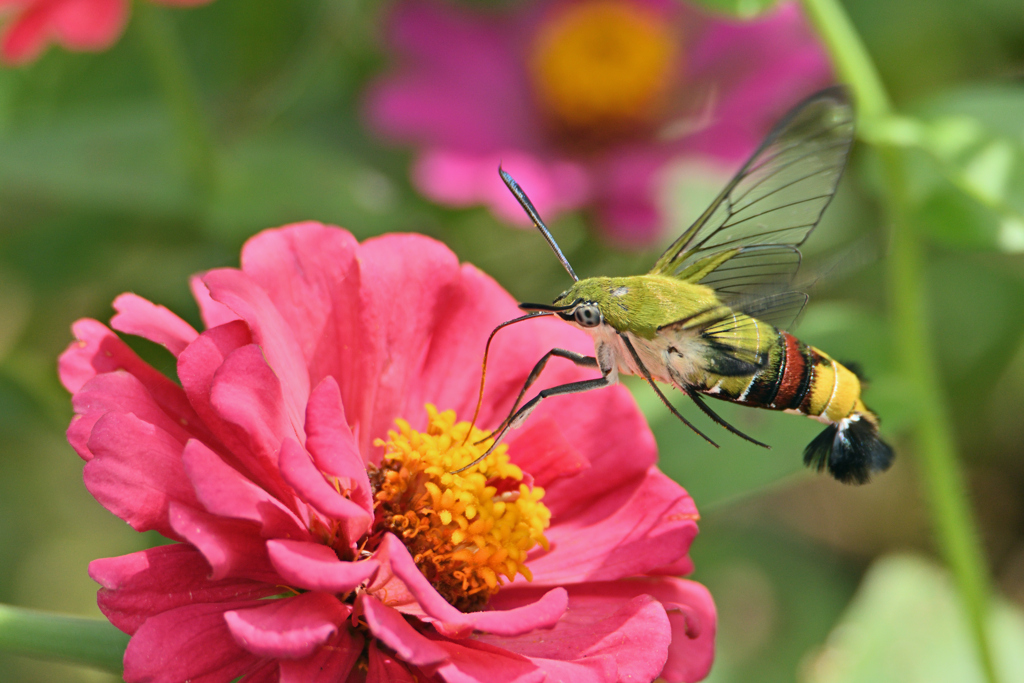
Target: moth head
(581, 305)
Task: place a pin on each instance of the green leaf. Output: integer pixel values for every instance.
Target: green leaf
(45, 635)
(906, 625)
(119, 159)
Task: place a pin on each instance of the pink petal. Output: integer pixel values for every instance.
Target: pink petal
(330, 441)
(645, 525)
(79, 431)
(458, 178)
(680, 567)
(137, 472)
(459, 81)
(138, 586)
(329, 664)
(298, 469)
(390, 589)
(289, 628)
(120, 392)
(544, 613)
(556, 185)
(98, 350)
(597, 609)
(197, 366)
(450, 301)
(223, 491)
(759, 69)
(310, 273)
(628, 181)
(26, 35)
(270, 331)
(385, 382)
(384, 668)
(692, 614)
(393, 630)
(366, 343)
(214, 314)
(540, 448)
(472, 661)
(189, 643)
(233, 548)
(89, 25)
(137, 316)
(513, 353)
(247, 395)
(315, 567)
(269, 672)
(625, 635)
(614, 438)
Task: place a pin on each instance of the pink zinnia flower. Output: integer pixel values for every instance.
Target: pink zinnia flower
(78, 25)
(584, 101)
(317, 540)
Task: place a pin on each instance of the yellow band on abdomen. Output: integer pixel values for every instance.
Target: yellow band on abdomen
(836, 389)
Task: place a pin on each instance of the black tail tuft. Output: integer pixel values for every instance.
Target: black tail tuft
(850, 450)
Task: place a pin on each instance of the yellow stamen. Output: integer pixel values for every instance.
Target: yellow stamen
(604, 65)
(468, 532)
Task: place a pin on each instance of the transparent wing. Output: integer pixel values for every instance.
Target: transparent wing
(781, 309)
(747, 239)
(755, 269)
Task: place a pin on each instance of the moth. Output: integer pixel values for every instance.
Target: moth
(710, 316)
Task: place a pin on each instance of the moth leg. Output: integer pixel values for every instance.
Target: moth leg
(714, 416)
(650, 380)
(577, 358)
(520, 415)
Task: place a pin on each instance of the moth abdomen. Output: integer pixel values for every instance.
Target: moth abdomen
(800, 378)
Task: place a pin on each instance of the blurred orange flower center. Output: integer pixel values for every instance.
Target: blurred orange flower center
(467, 532)
(604, 64)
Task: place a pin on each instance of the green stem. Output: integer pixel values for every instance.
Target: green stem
(940, 467)
(181, 94)
(79, 640)
(849, 56)
(942, 475)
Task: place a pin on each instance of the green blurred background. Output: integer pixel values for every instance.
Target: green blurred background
(814, 581)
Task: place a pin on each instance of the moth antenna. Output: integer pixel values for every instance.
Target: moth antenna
(528, 207)
(483, 369)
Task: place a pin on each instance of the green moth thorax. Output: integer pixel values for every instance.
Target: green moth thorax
(639, 304)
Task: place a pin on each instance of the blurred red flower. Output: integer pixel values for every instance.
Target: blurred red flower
(315, 540)
(585, 102)
(77, 25)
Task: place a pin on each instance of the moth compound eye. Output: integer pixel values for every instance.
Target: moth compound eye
(588, 315)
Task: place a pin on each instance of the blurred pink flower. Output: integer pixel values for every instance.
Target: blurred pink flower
(584, 101)
(308, 548)
(78, 25)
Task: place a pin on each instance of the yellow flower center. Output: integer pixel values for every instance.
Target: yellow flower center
(468, 532)
(604, 66)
